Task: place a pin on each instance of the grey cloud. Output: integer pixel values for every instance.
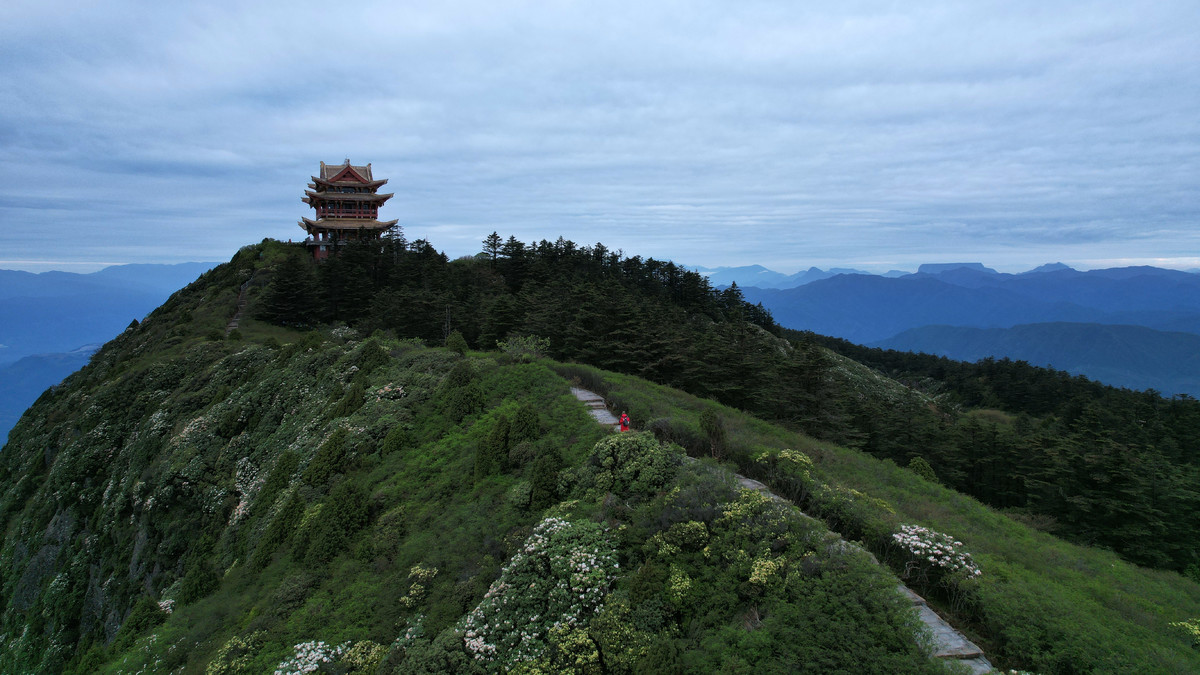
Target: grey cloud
(705, 132)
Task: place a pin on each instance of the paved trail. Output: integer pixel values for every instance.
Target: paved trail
(948, 642)
(596, 407)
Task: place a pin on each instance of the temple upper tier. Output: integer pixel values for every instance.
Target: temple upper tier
(347, 205)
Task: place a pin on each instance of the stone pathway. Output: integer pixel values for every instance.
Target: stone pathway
(596, 407)
(948, 642)
(241, 305)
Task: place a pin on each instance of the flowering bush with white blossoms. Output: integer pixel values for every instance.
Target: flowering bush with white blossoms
(307, 657)
(559, 578)
(934, 550)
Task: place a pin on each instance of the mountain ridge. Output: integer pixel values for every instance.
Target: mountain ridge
(211, 504)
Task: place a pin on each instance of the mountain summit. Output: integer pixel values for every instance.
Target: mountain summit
(342, 483)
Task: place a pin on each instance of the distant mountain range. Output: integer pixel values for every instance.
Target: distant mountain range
(1088, 313)
(50, 323)
(761, 277)
(56, 312)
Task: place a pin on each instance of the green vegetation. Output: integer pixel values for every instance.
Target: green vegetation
(1094, 464)
(1139, 496)
(1040, 604)
(353, 499)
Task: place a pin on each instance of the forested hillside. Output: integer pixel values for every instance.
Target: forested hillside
(1141, 496)
(1133, 357)
(385, 473)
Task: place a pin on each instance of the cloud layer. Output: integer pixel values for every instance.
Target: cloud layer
(868, 134)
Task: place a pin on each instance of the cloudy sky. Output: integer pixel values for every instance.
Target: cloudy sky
(876, 135)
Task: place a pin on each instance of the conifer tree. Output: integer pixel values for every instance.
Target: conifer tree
(491, 246)
(525, 425)
(492, 455)
(291, 298)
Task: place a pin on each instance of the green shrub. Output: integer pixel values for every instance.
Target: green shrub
(279, 531)
(353, 399)
(398, 438)
(200, 579)
(342, 515)
(919, 466)
(492, 455)
(524, 348)
(370, 356)
(714, 430)
(632, 464)
(277, 480)
(456, 343)
(543, 479)
(146, 614)
(526, 426)
(460, 393)
(330, 459)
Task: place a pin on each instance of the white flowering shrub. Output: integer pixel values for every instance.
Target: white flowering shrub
(932, 551)
(558, 580)
(307, 657)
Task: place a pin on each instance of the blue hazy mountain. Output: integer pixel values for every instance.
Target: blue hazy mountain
(1048, 267)
(942, 268)
(1137, 327)
(747, 275)
(761, 277)
(1126, 356)
(50, 323)
(56, 312)
(22, 382)
(869, 308)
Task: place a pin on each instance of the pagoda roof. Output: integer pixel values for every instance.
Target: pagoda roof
(346, 171)
(351, 224)
(347, 196)
(317, 182)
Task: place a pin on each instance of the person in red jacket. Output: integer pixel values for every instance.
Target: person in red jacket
(624, 421)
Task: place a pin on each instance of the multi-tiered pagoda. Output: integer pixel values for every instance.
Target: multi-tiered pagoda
(347, 206)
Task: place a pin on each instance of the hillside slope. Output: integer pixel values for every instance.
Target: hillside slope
(195, 505)
(281, 499)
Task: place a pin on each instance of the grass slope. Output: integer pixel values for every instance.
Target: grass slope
(1041, 604)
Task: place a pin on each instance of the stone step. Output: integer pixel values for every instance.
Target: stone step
(596, 406)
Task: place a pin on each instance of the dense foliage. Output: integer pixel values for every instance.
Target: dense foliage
(1038, 604)
(222, 506)
(1095, 464)
(1139, 496)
